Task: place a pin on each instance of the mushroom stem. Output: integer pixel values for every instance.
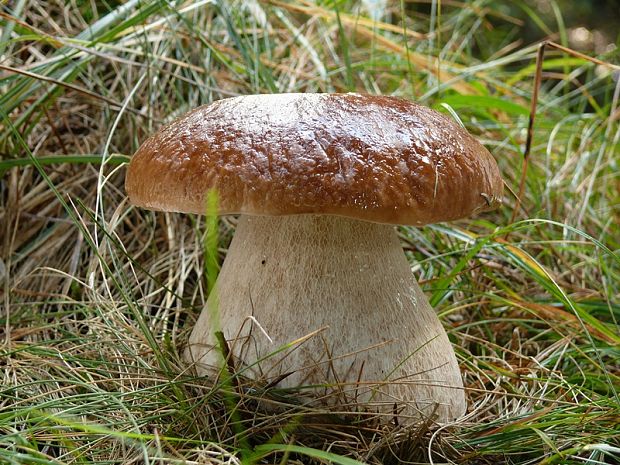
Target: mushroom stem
(378, 342)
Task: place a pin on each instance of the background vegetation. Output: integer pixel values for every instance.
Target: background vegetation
(96, 297)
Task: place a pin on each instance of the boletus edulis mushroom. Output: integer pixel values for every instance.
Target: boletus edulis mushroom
(320, 180)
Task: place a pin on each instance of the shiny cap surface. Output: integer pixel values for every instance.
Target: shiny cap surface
(373, 158)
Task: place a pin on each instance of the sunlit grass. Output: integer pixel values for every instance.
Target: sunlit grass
(97, 296)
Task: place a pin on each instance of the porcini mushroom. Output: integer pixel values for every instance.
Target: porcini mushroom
(319, 181)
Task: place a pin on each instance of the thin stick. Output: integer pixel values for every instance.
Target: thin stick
(582, 56)
(530, 128)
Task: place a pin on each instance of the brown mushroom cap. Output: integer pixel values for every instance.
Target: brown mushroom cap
(373, 158)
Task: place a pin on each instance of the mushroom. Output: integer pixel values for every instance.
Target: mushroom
(315, 288)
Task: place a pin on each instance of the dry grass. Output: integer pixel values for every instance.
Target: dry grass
(97, 297)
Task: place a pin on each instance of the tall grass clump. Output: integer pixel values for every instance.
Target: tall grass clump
(97, 297)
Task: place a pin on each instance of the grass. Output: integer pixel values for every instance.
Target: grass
(97, 297)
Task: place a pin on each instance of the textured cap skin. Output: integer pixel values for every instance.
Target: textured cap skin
(373, 158)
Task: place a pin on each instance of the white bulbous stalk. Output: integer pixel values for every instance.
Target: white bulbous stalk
(378, 342)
